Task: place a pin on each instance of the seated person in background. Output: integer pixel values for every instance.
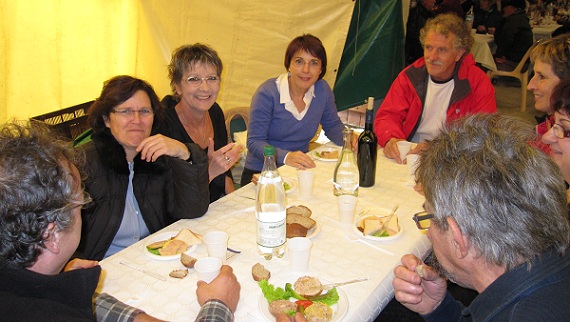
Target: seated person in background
(286, 111)
(140, 182)
(442, 86)
(513, 36)
(41, 196)
(487, 17)
(551, 59)
(416, 21)
(558, 137)
(193, 116)
(449, 6)
(505, 232)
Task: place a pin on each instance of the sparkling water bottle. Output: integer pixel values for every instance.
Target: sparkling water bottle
(345, 179)
(270, 208)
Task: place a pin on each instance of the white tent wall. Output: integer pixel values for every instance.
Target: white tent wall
(57, 53)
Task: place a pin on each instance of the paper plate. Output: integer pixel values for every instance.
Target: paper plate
(165, 236)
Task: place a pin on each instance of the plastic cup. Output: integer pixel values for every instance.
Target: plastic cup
(346, 208)
(299, 254)
(412, 163)
(305, 179)
(217, 244)
(208, 268)
(404, 147)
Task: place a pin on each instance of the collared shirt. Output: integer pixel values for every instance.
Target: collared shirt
(108, 308)
(285, 98)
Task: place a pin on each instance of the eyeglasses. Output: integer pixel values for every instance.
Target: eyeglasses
(130, 113)
(300, 62)
(197, 81)
(559, 131)
(422, 220)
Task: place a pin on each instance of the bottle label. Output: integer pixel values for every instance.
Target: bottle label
(270, 234)
(269, 180)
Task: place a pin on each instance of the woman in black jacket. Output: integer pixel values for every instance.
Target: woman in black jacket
(139, 182)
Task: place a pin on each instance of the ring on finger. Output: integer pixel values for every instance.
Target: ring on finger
(227, 159)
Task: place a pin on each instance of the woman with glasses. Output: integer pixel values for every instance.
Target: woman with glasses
(139, 181)
(286, 111)
(551, 64)
(559, 135)
(192, 114)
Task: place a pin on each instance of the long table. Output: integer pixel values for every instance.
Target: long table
(334, 258)
(483, 49)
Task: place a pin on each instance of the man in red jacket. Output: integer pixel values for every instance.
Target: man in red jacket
(442, 86)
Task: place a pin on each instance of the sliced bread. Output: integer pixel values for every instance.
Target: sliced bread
(302, 220)
(260, 273)
(300, 210)
(187, 236)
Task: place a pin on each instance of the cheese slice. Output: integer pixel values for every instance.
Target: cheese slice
(371, 226)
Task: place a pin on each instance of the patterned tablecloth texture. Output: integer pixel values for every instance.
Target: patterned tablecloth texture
(334, 258)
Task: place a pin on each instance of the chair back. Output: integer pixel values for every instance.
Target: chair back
(237, 120)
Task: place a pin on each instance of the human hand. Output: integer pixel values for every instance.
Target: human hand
(223, 159)
(481, 28)
(391, 150)
(158, 145)
(282, 317)
(500, 60)
(491, 30)
(419, 294)
(419, 148)
(78, 263)
(299, 160)
(225, 287)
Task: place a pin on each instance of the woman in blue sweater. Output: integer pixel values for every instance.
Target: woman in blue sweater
(286, 111)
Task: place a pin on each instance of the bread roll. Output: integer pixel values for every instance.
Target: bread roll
(187, 260)
(308, 286)
(296, 230)
(260, 273)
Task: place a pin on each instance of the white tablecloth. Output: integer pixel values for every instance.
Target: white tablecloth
(333, 257)
(483, 49)
(544, 31)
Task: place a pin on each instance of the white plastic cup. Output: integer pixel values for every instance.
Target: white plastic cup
(217, 244)
(404, 147)
(346, 208)
(305, 179)
(208, 268)
(299, 254)
(412, 163)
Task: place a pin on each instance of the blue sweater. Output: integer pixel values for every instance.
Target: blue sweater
(270, 123)
(540, 293)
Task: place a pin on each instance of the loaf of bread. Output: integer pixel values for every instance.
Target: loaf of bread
(259, 273)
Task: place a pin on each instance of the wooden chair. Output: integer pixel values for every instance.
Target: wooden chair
(521, 72)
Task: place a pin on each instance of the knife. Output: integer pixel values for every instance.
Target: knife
(144, 271)
(327, 287)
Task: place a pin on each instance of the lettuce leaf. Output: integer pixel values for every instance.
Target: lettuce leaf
(272, 293)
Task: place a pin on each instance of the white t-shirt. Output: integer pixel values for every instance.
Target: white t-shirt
(435, 110)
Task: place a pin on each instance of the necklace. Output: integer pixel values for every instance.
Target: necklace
(186, 125)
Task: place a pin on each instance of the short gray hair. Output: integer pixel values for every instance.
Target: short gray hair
(507, 196)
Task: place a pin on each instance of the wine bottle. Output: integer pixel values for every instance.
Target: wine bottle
(345, 179)
(270, 208)
(367, 149)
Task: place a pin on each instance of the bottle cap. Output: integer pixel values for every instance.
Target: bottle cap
(268, 150)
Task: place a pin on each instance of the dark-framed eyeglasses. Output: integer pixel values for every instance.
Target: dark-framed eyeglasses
(197, 81)
(559, 131)
(422, 220)
(130, 113)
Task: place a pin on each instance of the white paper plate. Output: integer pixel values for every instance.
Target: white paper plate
(165, 236)
(317, 152)
(339, 309)
(379, 212)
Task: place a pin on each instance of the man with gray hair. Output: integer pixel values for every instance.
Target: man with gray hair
(442, 86)
(41, 196)
(496, 215)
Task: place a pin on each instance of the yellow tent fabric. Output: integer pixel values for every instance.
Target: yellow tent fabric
(58, 53)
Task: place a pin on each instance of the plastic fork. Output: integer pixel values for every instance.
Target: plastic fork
(142, 293)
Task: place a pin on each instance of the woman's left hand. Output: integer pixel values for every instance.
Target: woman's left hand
(157, 145)
(223, 159)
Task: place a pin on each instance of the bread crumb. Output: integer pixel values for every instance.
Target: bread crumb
(420, 270)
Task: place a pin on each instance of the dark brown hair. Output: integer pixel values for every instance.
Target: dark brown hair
(310, 44)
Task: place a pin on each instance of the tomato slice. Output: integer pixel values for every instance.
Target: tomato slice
(304, 303)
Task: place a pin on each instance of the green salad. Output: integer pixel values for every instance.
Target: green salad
(272, 293)
(286, 186)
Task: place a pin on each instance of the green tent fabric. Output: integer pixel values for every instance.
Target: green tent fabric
(373, 54)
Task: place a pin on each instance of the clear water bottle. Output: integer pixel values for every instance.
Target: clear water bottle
(346, 176)
(469, 18)
(270, 208)
(367, 149)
